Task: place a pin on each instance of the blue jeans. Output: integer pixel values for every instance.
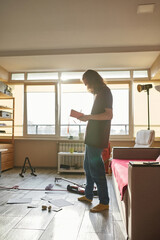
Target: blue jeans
(95, 173)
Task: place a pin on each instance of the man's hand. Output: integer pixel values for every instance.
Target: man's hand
(106, 115)
(84, 118)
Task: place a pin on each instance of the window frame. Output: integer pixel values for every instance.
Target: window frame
(130, 83)
(39, 136)
(111, 81)
(58, 82)
(70, 81)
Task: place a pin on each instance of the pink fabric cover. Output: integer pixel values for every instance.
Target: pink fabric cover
(120, 170)
(158, 159)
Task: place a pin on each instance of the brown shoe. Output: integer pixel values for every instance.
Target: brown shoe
(84, 199)
(99, 208)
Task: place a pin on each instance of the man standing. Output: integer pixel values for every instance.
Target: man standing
(96, 139)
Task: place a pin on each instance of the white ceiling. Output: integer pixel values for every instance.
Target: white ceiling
(77, 35)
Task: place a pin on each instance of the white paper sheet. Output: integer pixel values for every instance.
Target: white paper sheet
(46, 198)
(60, 203)
(19, 200)
(32, 206)
(56, 209)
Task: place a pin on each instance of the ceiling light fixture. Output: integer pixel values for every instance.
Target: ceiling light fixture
(145, 8)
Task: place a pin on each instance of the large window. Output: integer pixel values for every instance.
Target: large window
(44, 109)
(40, 109)
(120, 121)
(74, 96)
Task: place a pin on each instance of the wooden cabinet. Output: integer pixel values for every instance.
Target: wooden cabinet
(7, 131)
(7, 157)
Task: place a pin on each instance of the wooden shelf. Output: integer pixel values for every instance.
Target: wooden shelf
(6, 119)
(5, 108)
(6, 126)
(7, 138)
(5, 96)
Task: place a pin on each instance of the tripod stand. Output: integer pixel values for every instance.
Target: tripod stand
(146, 88)
(24, 168)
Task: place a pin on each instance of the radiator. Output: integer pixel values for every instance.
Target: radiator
(74, 162)
(76, 146)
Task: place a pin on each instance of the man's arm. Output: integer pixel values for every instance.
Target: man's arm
(107, 115)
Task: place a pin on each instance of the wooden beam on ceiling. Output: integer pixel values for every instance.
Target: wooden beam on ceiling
(4, 75)
(155, 69)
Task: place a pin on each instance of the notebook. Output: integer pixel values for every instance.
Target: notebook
(75, 114)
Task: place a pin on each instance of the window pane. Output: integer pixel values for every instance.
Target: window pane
(71, 75)
(115, 74)
(74, 96)
(42, 76)
(120, 121)
(141, 109)
(41, 109)
(17, 76)
(140, 74)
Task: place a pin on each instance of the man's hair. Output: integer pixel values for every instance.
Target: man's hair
(93, 80)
